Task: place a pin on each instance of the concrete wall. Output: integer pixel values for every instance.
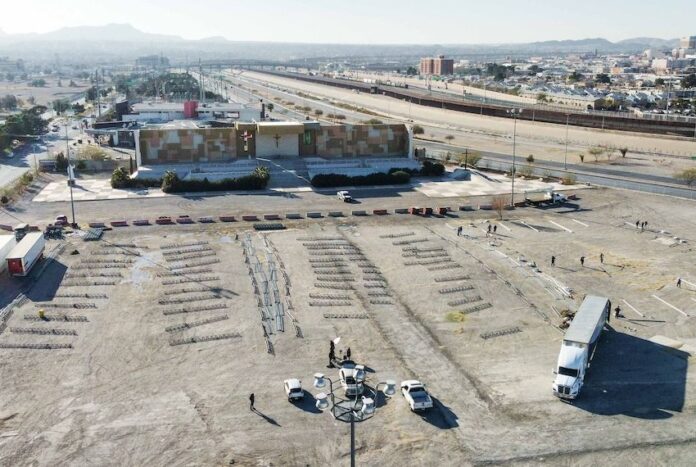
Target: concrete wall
(363, 140)
(186, 146)
(286, 145)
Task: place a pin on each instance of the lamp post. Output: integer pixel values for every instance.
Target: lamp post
(356, 410)
(71, 180)
(515, 113)
(565, 158)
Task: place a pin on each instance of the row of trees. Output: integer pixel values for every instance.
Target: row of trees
(22, 126)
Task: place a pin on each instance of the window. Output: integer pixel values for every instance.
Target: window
(567, 371)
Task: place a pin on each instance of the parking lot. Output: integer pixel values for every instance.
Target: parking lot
(153, 338)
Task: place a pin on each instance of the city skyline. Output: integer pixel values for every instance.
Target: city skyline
(405, 22)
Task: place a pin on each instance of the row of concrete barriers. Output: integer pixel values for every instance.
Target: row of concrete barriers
(184, 219)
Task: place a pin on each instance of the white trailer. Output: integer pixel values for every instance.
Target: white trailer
(544, 196)
(7, 243)
(26, 254)
(578, 346)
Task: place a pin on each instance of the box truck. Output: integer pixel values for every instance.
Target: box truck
(7, 243)
(578, 346)
(538, 197)
(26, 254)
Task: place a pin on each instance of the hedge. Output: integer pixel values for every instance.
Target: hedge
(399, 177)
(171, 183)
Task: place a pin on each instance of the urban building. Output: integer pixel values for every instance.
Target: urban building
(687, 42)
(160, 112)
(438, 66)
(158, 147)
(152, 62)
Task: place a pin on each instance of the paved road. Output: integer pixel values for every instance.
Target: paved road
(602, 176)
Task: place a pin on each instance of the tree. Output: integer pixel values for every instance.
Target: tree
(38, 83)
(530, 158)
(498, 204)
(61, 105)
(603, 78)
(659, 82)
(623, 151)
(689, 81)
(91, 94)
(596, 152)
(270, 106)
(61, 163)
(574, 77)
(469, 159)
(78, 108)
(411, 71)
(8, 102)
(542, 97)
(418, 130)
(688, 176)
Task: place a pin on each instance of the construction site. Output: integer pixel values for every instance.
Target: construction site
(144, 346)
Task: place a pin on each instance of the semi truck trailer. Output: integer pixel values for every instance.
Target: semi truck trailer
(26, 254)
(579, 344)
(7, 243)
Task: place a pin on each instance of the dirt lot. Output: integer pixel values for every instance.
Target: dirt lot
(157, 337)
(46, 94)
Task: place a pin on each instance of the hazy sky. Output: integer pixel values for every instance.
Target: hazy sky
(365, 21)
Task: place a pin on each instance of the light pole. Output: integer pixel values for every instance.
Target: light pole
(356, 410)
(71, 180)
(565, 158)
(515, 113)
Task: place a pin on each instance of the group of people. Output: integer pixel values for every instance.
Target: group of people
(491, 229)
(641, 225)
(332, 354)
(582, 260)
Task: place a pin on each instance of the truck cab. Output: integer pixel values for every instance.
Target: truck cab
(570, 371)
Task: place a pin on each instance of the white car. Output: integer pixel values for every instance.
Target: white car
(352, 378)
(415, 394)
(293, 389)
(344, 196)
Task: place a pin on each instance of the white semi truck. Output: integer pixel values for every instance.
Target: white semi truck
(578, 346)
(26, 254)
(7, 243)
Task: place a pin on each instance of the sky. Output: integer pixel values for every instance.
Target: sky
(365, 21)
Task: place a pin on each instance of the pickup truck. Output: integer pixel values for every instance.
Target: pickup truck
(544, 197)
(415, 394)
(293, 389)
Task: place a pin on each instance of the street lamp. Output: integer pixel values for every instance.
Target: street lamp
(515, 113)
(356, 410)
(71, 179)
(565, 158)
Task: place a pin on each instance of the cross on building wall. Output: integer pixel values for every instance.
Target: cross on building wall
(277, 140)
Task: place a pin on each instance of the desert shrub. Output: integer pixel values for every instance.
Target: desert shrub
(418, 130)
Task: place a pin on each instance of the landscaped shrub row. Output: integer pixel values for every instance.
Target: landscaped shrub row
(171, 183)
(331, 180)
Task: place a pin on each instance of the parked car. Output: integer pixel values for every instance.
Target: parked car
(61, 220)
(293, 389)
(415, 394)
(344, 196)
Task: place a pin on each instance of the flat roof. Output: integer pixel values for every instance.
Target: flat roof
(23, 247)
(5, 239)
(585, 322)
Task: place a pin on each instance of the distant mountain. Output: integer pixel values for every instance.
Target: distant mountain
(651, 42)
(123, 42)
(107, 33)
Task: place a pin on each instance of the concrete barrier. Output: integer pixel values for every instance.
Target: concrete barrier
(442, 211)
(250, 218)
(184, 220)
(119, 223)
(401, 211)
(380, 212)
(335, 214)
(293, 216)
(227, 219)
(359, 213)
(414, 211)
(141, 222)
(271, 217)
(164, 220)
(97, 225)
(427, 211)
(485, 207)
(466, 207)
(314, 215)
(206, 220)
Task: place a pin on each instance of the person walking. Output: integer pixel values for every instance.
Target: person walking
(679, 282)
(601, 258)
(582, 261)
(251, 401)
(617, 311)
(489, 228)
(495, 228)
(459, 231)
(553, 261)
(348, 353)
(637, 224)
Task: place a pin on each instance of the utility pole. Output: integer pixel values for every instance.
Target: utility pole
(200, 77)
(514, 113)
(565, 158)
(71, 180)
(96, 75)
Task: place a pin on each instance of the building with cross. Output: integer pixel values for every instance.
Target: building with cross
(162, 147)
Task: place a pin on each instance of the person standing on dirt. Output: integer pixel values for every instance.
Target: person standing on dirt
(553, 261)
(582, 261)
(251, 401)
